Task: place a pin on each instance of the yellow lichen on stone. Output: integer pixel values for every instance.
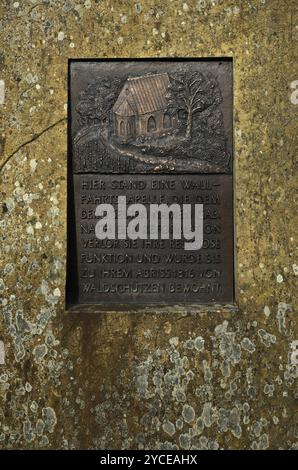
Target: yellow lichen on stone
(187, 377)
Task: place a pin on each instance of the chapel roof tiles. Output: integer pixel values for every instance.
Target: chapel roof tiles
(142, 95)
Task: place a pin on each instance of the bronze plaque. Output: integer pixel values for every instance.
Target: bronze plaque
(150, 206)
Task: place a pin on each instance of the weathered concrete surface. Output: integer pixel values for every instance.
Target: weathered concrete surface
(183, 378)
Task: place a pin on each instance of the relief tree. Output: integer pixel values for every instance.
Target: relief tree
(193, 93)
(96, 101)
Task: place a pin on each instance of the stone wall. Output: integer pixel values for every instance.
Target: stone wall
(220, 377)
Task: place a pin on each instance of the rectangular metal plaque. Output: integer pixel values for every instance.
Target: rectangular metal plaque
(152, 135)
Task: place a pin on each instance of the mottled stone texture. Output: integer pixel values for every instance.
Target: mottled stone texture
(184, 378)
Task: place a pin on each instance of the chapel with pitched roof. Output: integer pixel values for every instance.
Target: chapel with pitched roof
(141, 108)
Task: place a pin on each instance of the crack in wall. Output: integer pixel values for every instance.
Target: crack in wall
(35, 137)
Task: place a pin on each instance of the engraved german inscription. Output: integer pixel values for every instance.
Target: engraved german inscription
(150, 182)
